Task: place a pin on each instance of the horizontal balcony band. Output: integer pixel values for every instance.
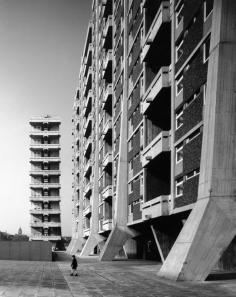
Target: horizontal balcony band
(107, 95)
(45, 238)
(107, 26)
(45, 146)
(86, 232)
(45, 172)
(45, 133)
(45, 211)
(107, 159)
(105, 225)
(45, 198)
(45, 186)
(160, 144)
(107, 126)
(107, 192)
(45, 225)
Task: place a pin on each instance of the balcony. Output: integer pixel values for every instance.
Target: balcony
(44, 198)
(107, 225)
(88, 189)
(88, 144)
(159, 145)
(160, 82)
(108, 26)
(88, 82)
(162, 17)
(42, 172)
(88, 103)
(88, 126)
(86, 232)
(45, 186)
(107, 96)
(107, 159)
(107, 64)
(156, 207)
(88, 168)
(87, 211)
(107, 127)
(45, 211)
(107, 192)
(45, 237)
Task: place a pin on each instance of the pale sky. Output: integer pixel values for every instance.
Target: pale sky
(41, 43)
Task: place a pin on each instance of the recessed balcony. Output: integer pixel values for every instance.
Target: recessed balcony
(107, 192)
(86, 232)
(156, 207)
(88, 167)
(162, 17)
(107, 127)
(87, 211)
(159, 84)
(107, 64)
(88, 188)
(88, 126)
(159, 145)
(107, 159)
(107, 225)
(107, 95)
(108, 26)
(88, 144)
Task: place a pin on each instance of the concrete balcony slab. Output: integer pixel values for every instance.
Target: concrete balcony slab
(107, 95)
(44, 198)
(156, 207)
(160, 144)
(107, 192)
(162, 16)
(107, 26)
(160, 81)
(45, 211)
(44, 172)
(45, 186)
(107, 126)
(87, 210)
(107, 160)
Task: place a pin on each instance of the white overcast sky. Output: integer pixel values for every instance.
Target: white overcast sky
(41, 43)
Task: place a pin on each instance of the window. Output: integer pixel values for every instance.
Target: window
(131, 165)
(130, 144)
(179, 13)
(179, 84)
(193, 135)
(179, 50)
(141, 136)
(141, 184)
(179, 153)
(179, 118)
(206, 49)
(130, 188)
(179, 187)
(208, 8)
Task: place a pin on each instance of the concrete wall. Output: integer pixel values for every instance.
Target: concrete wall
(26, 250)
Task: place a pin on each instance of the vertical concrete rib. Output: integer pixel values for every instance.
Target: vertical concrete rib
(211, 225)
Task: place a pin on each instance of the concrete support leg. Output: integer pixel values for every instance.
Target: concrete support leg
(158, 243)
(91, 243)
(212, 224)
(117, 239)
(76, 246)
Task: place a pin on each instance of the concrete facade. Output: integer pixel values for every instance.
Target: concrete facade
(45, 179)
(154, 82)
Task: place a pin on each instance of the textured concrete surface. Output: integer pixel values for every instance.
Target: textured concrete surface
(109, 279)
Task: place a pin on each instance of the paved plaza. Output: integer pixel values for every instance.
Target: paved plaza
(116, 279)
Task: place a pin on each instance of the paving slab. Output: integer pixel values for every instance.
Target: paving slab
(100, 279)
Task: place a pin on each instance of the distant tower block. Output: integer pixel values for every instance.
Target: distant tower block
(45, 179)
(20, 231)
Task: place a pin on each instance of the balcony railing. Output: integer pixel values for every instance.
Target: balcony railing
(45, 185)
(107, 93)
(45, 198)
(45, 211)
(46, 237)
(107, 192)
(155, 208)
(108, 24)
(160, 81)
(160, 144)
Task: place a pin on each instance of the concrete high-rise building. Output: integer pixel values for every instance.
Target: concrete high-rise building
(154, 135)
(45, 179)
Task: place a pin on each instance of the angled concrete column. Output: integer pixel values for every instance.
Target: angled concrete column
(212, 224)
(120, 232)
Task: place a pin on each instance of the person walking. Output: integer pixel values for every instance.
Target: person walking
(74, 266)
